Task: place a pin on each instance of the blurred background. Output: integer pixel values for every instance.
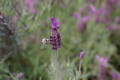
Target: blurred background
(92, 26)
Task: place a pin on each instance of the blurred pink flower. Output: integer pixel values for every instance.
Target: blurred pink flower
(102, 61)
(81, 55)
(20, 75)
(114, 26)
(110, 5)
(17, 12)
(81, 21)
(96, 12)
(29, 5)
(114, 75)
(15, 18)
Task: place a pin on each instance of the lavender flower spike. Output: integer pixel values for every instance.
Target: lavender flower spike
(81, 21)
(19, 76)
(29, 5)
(114, 75)
(55, 35)
(102, 60)
(81, 55)
(101, 68)
(97, 13)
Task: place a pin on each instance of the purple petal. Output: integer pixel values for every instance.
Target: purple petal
(80, 26)
(52, 19)
(114, 75)
(15, 18)
(29, 5)
(117, 19)
(54, 25)
(100, 10)
(57, 23)
(97, 18)
(76, 15)
(20, 75)
(85, 18)
(81, 55)
(92, 8)
(102, 60)
(113, 1)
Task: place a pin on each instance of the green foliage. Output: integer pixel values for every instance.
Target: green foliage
(37, 61)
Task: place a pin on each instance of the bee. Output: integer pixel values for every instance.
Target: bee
(45, 41)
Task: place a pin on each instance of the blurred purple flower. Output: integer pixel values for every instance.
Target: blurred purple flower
(81, 55)
(114, 26)
(102, 60)
(95, 12)
(19, 76)
(111, 2)
(117, 20)
(110, 5)
(15, 17)
(81, 21)
(101, 67)
(92, 8)
(54, 24)
(114, 75)
(29, 5)
(55, 35)
(17, 12)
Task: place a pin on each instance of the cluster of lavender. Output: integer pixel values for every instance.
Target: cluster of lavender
(102, 66)
(102, 61)
(101, 15)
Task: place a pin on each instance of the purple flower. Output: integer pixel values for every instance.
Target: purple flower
(81, 21)
(114, 75)
(101, 67)
(15, 18)
(92, 8)
(111, 2)
(19, 76)
(97, 13)
(110, 5)
(17, 12)
(29, 5)
(54, 24)
(102, 60)
(55, 35)
(114, 26)
(81, 55)
(117, 19)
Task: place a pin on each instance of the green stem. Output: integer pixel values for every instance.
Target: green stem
(80, 65)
